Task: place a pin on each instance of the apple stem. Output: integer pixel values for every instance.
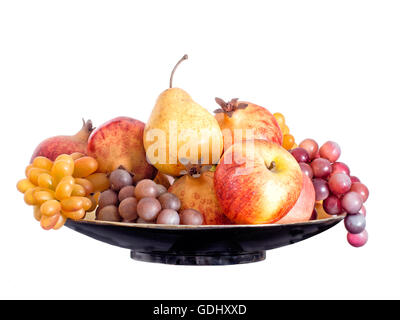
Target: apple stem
(272, 166)
(176, 66)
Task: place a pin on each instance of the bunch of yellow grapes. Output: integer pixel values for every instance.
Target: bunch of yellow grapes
(288, 140)
(64, 189)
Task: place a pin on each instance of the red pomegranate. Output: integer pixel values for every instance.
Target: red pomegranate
(197, 192)
(54, 146)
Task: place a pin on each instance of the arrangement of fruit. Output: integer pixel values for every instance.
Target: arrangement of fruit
(186, 166)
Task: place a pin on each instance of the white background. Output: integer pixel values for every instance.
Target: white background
(332, 67)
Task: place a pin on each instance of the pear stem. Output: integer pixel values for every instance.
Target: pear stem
(176, 66)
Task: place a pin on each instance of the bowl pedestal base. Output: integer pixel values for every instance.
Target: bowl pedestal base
(216, 259)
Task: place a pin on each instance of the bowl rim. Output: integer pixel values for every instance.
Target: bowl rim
(202, 227)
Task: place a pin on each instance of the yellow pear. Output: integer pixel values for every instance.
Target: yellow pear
(180, 131)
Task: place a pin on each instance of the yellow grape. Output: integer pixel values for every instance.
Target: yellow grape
(50, 208)
(37, 214)
(45, 180)
(34, 173)
(63, 190)
(72, 204)
(86, 184)
(100, 181)
(24, 185)
(29, 197)
(285, 129)
(48, 223)
(87, 204)
(77, 155)
(65, 157)
(29, 167)
(288, 141)
(74, 215)
(61, 169)
(85, 166)
(68, 179)
(78, 191)
(94, 199)
(280, 119)
(42, 196)
(61, 221)
(96, 196)
(43, 163)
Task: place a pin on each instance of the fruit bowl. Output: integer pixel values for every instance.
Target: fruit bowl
(200, 245)
(193, 174)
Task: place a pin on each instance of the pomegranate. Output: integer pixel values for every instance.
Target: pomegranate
(54, 146)
(119, 142)
(239, 116)
(196, 191)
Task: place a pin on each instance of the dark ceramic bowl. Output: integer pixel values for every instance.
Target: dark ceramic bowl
(200, 245)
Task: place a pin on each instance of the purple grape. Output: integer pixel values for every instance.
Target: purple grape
(314, 215)
(168, 216)
(354, 179)
(361, 189)
(126, 192)
(128, 209)
(339, 183)
(340, 167)
(169, 201)
(311, 146)
(321, 167)
(120, 178)
(352, 202)
(148, 208)
(146, 188)
(108, 213)
(330, 150)
(357, 240)
(332, 205)
(300, 154)
(107, 197)
(355, 223)
(191, 217)
(321, 189)
(307, 170)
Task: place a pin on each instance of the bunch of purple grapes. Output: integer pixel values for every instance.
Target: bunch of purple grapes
(145, 202)
(340, 192)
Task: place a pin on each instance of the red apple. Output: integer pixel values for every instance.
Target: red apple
(119, 142)
(257, 185)
(238, 116)
(199, 194)
(304, 207)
